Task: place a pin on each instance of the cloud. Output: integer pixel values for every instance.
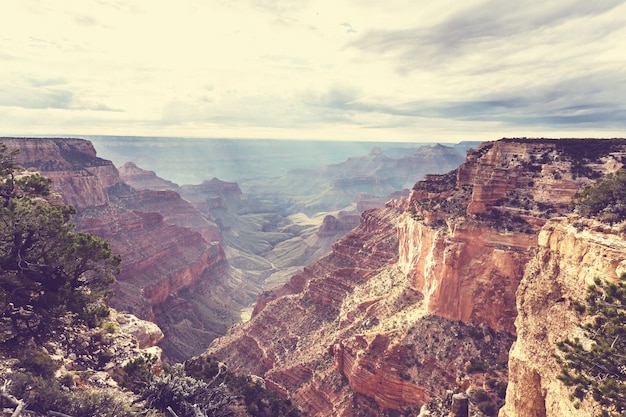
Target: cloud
(85, 20)
(45, 81)
(335, 97)
(348, 26)
(279, 7)
(34, 98)
(296, 67)
(490, 24)
(41, 97)
(579, 101)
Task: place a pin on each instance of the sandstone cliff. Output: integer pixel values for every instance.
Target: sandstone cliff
(172, 256)
(409, 301)
(572, 252)
(72, 165)
(141, 179)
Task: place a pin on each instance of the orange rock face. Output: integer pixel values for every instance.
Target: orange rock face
(167, 246)
(572, 252)
(77, 173)
(422, 290)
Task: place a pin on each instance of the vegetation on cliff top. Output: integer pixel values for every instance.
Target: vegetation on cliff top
(605, 200)
(48, 269)
(46, 266)
(595, 365)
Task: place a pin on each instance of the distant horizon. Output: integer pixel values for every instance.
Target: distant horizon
(145, 136)
(87, 136)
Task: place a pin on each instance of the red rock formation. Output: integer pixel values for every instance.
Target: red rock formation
(332, 225)
(394, 315)
(77, 173)
(166, 245)
(572, 252)
(492, 211)
(141, 179)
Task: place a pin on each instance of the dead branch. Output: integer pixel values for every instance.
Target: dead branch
(21, 405)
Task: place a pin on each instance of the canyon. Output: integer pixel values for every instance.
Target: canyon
(424, 299)
(194, 256)
(383, 304)
(166, 244)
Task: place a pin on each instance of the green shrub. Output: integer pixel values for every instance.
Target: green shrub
(138, 372)
(476, 365)
(605, 200)
(67, 270)
(110, 327)
(258, 401)
(500, 389)
(38, 362)
(187, 396)
(597, 368)
(44, 395)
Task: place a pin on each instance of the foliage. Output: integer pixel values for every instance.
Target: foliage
(187, 396)
(484, 402)
(258, 401)
(138, 372)
(476, 365)
(34, 184)
(504, 220)
(43, 395)
(38, 362)
(45, 264)
(605, 200)
(596, 365)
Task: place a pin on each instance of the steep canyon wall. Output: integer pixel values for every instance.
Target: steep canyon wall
(405, 303)
(571, 253)
(167, 245)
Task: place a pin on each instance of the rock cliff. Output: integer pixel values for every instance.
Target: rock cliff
(72, 165)
(171, 253)
(141, 179)
(420, 298)
(571, 253)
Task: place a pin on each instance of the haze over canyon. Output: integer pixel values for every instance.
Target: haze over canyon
(355, 279)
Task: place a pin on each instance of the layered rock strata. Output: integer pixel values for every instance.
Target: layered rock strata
(167, 245)
(404, 305)
(571, 253)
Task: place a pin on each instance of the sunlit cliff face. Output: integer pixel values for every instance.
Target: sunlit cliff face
(571, 253)
(455, 250)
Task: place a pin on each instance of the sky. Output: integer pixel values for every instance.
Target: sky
(393, 70)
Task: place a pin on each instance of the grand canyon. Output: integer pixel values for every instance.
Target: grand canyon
(383, 284)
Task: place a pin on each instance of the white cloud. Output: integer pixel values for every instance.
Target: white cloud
(355, 69)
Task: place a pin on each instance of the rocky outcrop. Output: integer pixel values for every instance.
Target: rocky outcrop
(571, 253)
(166, 244)
(84, 359)
(145, 332)
(77, 173)
(471, 232)
(332, 225)
(404, 305)
(214, 194)
(141, 179)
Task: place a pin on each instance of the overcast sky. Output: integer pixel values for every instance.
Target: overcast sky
(400, 70)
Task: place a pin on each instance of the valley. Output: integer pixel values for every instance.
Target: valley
(350, 296)
(195, 256)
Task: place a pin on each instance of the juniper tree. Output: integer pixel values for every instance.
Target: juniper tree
(595, 365)
(605, 200)
(45, 264)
